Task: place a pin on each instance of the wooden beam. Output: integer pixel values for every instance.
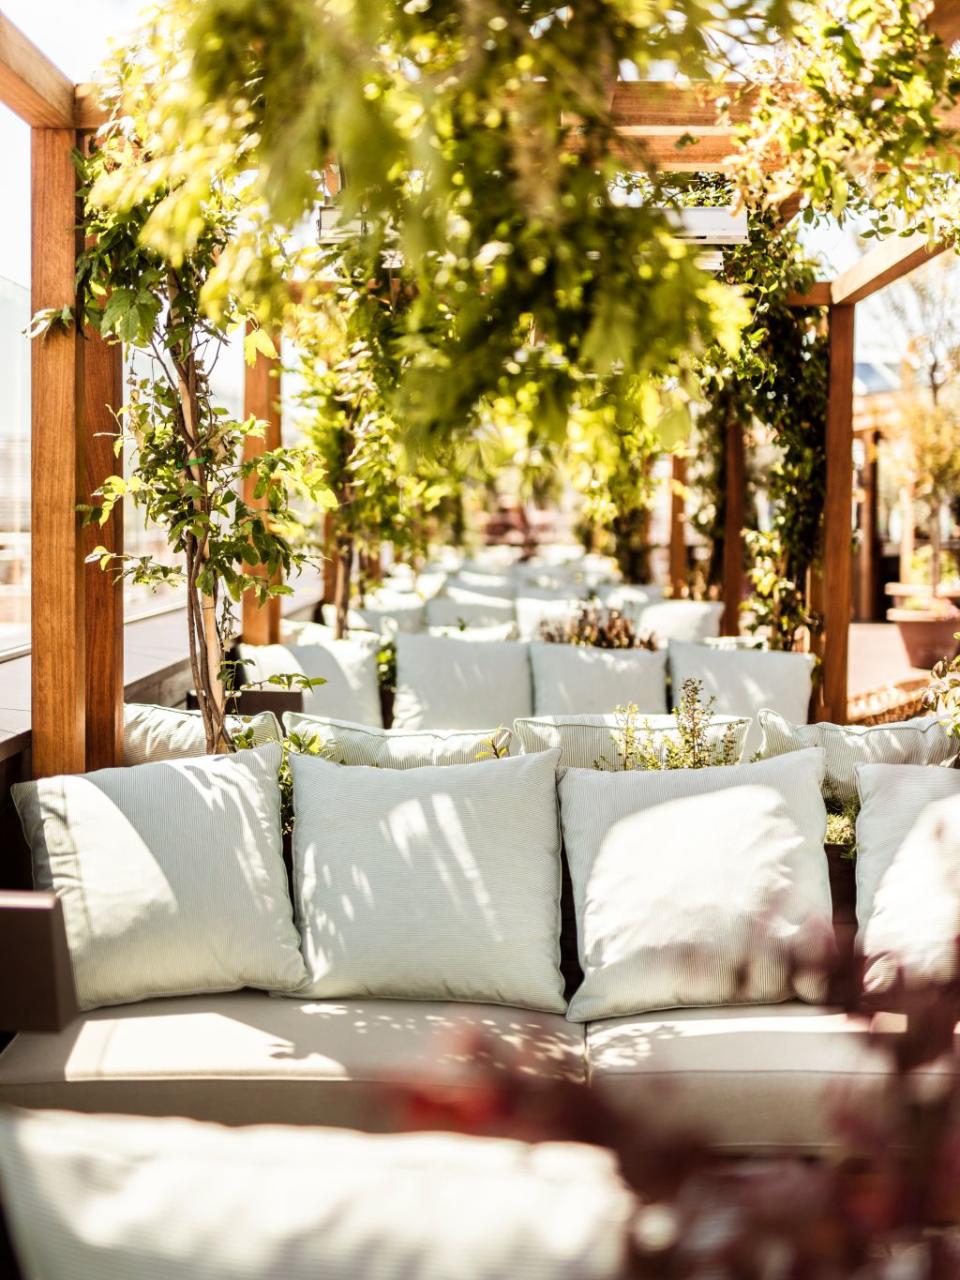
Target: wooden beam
(818, 295)
(867, 593)
(57, 595)
(103, 589)
(837, 517)
(89, 112)
(735, 514)
(888, 261)
(650, 106)
(261, 400)
(678, 526)
(30, 85)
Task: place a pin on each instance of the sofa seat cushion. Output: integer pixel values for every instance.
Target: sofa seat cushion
(245, 1058)
(751, 1078)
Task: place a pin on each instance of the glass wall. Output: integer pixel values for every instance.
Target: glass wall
(14, 467)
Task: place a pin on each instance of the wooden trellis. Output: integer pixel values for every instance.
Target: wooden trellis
(77, 611)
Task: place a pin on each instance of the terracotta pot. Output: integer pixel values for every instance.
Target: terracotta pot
(927, 637)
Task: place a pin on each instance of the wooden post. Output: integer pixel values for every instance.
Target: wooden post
(678, 526)
(103, 589)
(261, 399)
(837, 558)
(58, 676)
(867, 594)
(331, 560)
(736, 503)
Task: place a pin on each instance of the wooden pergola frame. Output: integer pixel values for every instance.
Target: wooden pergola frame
(77, 610)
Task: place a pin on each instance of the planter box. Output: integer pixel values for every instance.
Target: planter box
(250, 702)
(926, 637)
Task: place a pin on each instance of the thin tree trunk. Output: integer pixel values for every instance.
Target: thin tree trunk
(344, 564)
(936, 548)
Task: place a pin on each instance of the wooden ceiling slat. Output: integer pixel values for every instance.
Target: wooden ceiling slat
(30, 85)
(889, 260)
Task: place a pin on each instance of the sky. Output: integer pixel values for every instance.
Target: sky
(75, 34)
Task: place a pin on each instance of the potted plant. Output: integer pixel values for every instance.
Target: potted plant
(186, 453)
(930, 442)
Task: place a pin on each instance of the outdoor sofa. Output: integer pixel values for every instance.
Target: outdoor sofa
(436, 934)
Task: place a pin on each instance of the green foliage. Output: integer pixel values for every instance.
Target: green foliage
(842, 826)
(943, 695)
(483, 173)
(387, 667)
(853, 120)
(694, 745)
(599, 628)
(497, 746)
(776, 391)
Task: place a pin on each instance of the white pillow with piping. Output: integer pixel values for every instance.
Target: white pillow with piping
(582, 679)
(587, 740)
(445, 682)
(743, 681)
(349, 667)
(698, 886)
(921, 741)
(360, 744)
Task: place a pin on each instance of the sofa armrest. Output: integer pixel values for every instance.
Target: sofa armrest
(37, 991)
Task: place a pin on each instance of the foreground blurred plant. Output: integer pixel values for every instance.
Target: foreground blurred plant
(888, 1211)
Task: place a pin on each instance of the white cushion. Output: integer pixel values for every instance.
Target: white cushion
(349, 667)
(581, 679)
(357, 744)
(534, 611)
(498, 631)
(919, 741)
(118, 1197)
(892, 798)
(153, 733)
(444, 682)
(383, 611)
(697, 886)
(456, 607)
(248, 1058)
(628, 599)
(171, 875)
(487, 584)
(914, 923)
(745, 681)
(686, 620)
(755, 1079)
(423, 884)
(585, 741)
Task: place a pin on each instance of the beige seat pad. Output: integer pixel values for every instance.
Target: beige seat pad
(248, 1058)
(750, 1078)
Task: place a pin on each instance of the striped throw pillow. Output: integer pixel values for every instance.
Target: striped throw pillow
(921, 741)
(586, 741)
(697, 886)
(578, 679)
(358, 744)
(152, 733)
(892, 798)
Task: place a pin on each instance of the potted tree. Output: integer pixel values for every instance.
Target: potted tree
(930, 436)
(187, 463)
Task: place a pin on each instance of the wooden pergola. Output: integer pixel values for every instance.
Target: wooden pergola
(77, 610)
